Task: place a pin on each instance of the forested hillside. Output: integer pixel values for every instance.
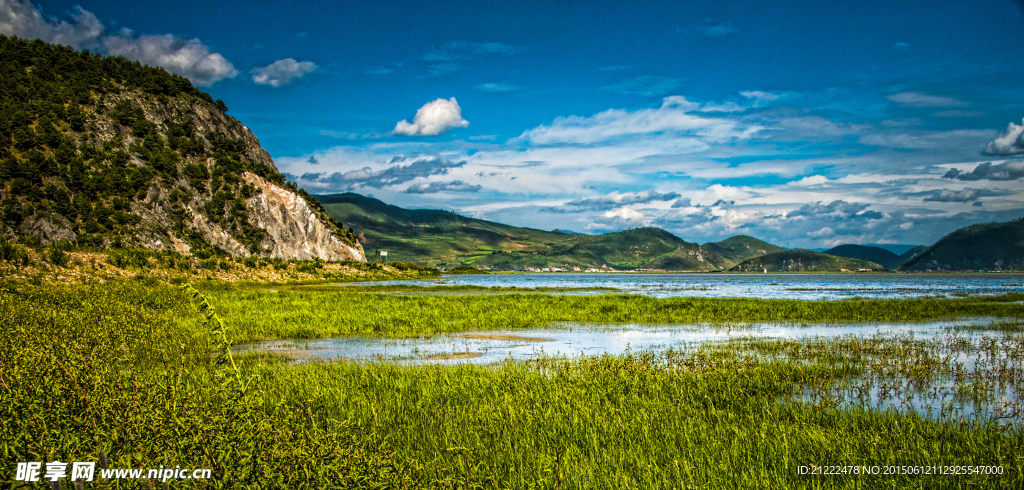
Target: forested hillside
(105, 152)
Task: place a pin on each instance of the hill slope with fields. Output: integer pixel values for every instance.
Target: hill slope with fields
(741, 247)
(447, 239)
(803, 261)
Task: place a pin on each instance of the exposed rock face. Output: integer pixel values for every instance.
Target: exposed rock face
(50, 228)
(294, 231)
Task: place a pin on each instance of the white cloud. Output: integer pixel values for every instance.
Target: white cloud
(433, 119)
(22, 19)
(435, 187)
(617, 198)
(918, 99)
(760, 96)
(925, 139)
(673, 117)
(189, 58)
(498, 87)
(614, 219)
(1010, 142)
(282, 72)
(870, 187)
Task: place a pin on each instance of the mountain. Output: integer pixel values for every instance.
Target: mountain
(428, 236)
(988, 246)
(909, 254)
(106, 152)
(803, 261)
(877, 255)
(741, 247)
(446, 239)
(896, 248)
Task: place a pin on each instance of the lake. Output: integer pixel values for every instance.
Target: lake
(729, 285)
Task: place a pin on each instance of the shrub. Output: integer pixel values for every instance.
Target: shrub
(58, 257)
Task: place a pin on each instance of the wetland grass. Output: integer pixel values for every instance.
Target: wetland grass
(299, 312)
(126, 369)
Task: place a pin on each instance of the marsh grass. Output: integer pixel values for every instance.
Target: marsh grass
(127, 370)
(91, 369)
(304, 312)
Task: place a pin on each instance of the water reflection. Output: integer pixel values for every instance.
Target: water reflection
(781, 286)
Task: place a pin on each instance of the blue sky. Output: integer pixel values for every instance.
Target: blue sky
(801, 123)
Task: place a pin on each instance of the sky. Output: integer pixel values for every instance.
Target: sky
(804, 123)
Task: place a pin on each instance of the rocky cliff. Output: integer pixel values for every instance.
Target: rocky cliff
(106, 152)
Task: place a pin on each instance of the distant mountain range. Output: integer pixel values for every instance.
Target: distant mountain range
(446, 239)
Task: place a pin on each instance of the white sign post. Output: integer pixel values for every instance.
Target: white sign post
(383, 255)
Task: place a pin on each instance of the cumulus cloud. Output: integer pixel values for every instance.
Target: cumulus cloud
(681, 203)
(986, 171)
(22, 19)
(282, 72)
(645, 85)
(919, 99)
(838, 209)
(616, 199)
(614, 219)
(946, 195)
(684, 218)
(189, 58)
(434, 187)
(394, 175)
(433, 119)
(1010, 142)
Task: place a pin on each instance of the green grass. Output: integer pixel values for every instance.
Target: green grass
(324, 311)
(127, 369)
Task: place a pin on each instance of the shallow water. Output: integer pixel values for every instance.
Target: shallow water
(717, 285)
(572, 340)
(970, 374)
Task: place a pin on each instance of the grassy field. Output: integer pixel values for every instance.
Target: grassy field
(127, 372)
